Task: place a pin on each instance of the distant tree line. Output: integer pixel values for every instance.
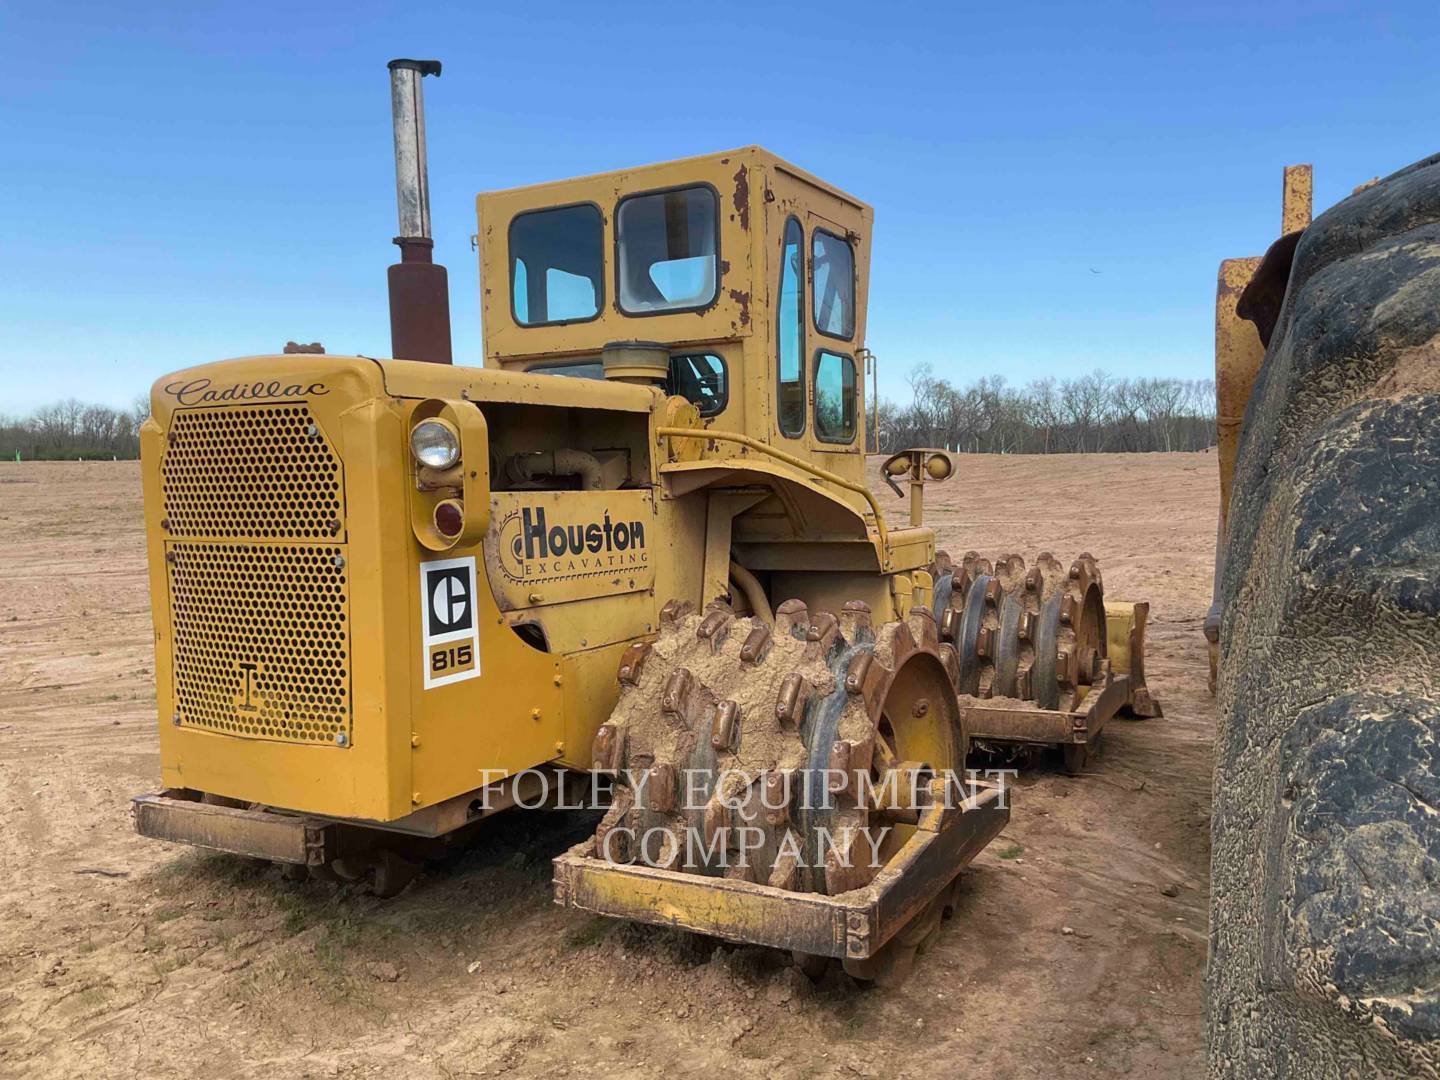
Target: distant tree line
(1093, 413)
(71, 429)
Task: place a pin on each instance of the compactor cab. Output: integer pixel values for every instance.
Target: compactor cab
(749, 272)
(394, 596)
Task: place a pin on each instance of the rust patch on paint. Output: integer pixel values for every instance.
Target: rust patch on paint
(742, 197)
(743, 299)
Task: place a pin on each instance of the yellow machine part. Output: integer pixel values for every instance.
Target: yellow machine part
(286, 678)
(1239, 353)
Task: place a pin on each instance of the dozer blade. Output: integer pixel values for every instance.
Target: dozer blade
(1125, 638)
(853, 926)
(1073, 731)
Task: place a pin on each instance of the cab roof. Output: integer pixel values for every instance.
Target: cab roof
(753, 155)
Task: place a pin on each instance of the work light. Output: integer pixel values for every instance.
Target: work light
(435, 443)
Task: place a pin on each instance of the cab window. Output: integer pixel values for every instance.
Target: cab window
(700, 378)
(790, 322)
(834, 397)
(557, 265)
(832, 262)
(667, 243)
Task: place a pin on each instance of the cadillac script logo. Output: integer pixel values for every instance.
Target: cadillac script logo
(203, 392)
(539, 543)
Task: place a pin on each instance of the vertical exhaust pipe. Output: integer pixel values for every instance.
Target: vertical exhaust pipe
(419, 288)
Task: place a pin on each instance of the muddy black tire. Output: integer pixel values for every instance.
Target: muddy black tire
(1325, 911)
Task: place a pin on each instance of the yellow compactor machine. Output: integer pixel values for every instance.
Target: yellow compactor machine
(393, 596)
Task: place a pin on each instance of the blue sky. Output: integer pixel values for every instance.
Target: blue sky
(1053, 184)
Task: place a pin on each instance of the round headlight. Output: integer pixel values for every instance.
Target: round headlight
(435, 443)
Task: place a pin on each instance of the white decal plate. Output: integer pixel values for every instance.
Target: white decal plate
(449, 628)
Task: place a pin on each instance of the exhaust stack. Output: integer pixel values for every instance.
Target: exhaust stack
(419, 288)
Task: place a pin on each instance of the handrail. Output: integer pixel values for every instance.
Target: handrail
(788, 459)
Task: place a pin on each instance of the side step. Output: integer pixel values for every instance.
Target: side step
(183, 816)
(852, 926)
(259, 834)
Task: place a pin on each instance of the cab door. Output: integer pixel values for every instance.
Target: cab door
(819, 319)
(833, 337)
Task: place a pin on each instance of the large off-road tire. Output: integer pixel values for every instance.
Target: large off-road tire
(1325, 911)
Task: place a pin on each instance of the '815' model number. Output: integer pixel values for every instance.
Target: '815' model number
(451, 659)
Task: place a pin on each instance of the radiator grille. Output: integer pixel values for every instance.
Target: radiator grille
(259, 471)
(261, 639)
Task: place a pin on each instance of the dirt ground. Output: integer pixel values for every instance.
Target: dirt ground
(122, 956)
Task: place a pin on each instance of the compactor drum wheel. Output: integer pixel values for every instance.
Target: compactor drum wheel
(1035, 636)
(791, 756)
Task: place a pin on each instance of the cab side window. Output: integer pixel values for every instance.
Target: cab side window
(701, 379)
(833, 264)
(557, 265)
(790, 332)
(834, 397)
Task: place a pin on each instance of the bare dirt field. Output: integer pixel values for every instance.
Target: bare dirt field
(1067, 957)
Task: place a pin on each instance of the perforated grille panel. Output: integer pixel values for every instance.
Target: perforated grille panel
(261, 471)
(261, 639)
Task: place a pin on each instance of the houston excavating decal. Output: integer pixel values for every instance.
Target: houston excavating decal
(538, 544)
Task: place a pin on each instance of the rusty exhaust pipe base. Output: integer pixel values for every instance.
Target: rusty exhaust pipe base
(419, 304)
(419, 288)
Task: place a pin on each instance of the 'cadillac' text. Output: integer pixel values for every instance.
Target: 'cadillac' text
(202, 391)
